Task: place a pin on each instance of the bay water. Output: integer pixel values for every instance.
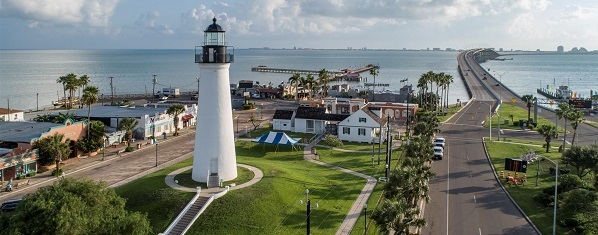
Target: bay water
(26, 73)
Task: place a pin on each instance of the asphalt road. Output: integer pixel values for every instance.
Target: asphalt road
(465, 196)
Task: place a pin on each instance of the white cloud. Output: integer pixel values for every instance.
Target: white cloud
(94, 13)
(148, 23)
(197, 19)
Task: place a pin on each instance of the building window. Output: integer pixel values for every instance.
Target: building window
(361, 131)
(363, 119)
(347, 130)
(284, 124)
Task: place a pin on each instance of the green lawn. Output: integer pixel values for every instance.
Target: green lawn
(594, 124)
(362, 162)
(152, 196)
(184, 178)
(523, 195)
(518, 113)
(554, 145)
(356, 146)
(451, 110)
(271, 206)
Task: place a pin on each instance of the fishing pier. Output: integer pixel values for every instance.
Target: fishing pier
(343, 74)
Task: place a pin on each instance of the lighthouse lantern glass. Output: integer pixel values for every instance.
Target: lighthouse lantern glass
(214, 38)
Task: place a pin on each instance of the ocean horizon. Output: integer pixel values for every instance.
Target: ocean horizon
(25, 73)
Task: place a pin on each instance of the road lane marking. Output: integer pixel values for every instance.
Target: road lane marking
(448, 171)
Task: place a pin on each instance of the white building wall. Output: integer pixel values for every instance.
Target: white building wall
(300, 125)
(214, 136)
(13, 117)
(281, 125)
(352, 122)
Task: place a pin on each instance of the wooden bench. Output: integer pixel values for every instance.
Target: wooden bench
(24, 182)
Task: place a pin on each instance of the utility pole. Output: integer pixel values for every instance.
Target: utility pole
(154, 89)
(197, 78)
(8, 100)
(111, 91)
(37, 102)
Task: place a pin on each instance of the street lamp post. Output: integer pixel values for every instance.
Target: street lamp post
(365, 218)
(373, 148)
(154, 81)
(556, 183)
(156, 154)
(489, 118)
(308, 214)
(111, 91)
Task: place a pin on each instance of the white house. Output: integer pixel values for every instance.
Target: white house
(11, 115)
(315, 120)
(364, 125)
(282, 120)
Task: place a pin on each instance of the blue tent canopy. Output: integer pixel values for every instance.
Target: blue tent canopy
(278, 138)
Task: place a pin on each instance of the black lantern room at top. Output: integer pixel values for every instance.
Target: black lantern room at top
(214, 49)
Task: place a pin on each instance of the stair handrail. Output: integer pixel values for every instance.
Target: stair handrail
(203, 208)
(180, 216)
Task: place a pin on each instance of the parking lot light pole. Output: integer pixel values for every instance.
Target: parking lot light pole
(156, 154)
(490, 119)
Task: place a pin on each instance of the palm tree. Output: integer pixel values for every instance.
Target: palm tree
(438, 81)
(397, 216)
(549, 132)
(58, 148)
(64, 80)
(563, 112)
(374, 72)
(83, 82)
(576, 118)
(324, 77)
(90, 97)
(448, 79)
(62, 117)
(310, 81)
(72, 83)
(528, 99)
(128, 125)
(294, 80)
(174, 111)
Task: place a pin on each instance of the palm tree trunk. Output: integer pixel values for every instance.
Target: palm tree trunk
(88, 121)
(565, 135)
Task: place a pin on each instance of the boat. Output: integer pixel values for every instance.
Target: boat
(562, 92)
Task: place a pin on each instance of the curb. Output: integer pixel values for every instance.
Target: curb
(505, 190)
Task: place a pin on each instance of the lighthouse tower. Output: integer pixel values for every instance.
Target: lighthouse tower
(214, 157)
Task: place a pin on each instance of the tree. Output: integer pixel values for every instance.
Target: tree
(294, 80)
(128, 125)
(174, 111)
(549, 132)
(71, 83)
(583, 158)
(63, 117)
(374, 72)
(563, 112)
(310, 82)
(83, 82)
(254, 121)
(63, 80)
(324, 79)
(74, 207)
(528, 99)
(579, 209)
(576, 117)
(397, 216)
(55, 148)
(90, 97)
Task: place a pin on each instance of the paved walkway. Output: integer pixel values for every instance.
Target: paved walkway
(257, 176)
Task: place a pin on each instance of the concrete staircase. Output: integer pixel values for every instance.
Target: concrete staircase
(185, 221)
(213, 181)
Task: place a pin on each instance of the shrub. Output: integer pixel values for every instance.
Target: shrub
(332, 141)
(516, 123)
(247, 106)
(128, 149)
(57, 173)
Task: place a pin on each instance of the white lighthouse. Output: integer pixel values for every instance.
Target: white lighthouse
(214, 157)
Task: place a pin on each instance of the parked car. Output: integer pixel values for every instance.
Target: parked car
(438, 153)
(164, 98)
(439, 142)
(256, 96)
(10, 205)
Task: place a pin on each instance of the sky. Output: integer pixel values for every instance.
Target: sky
(319, 24)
